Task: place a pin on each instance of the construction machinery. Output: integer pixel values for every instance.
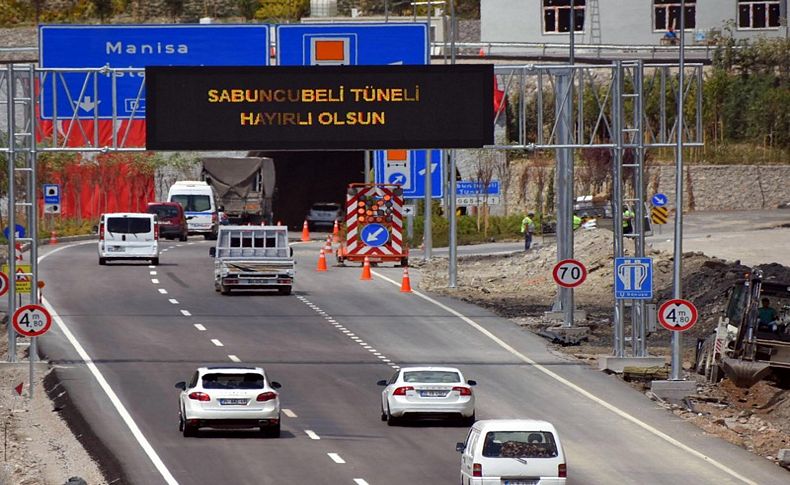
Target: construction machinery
(752, 340)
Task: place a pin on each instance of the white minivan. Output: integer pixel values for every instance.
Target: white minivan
(200, 207)
(512, 452)
(128, 235)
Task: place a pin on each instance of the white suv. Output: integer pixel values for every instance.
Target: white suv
(229, 397)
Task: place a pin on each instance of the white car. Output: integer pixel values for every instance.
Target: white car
(128, 236)
(229, 397)
(433, 392)
(512, 452)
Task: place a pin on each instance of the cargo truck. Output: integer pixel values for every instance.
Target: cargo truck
(244, 187)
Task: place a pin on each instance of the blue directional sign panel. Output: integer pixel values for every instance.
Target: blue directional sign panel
(375, 235)
(660, 200)
(471, 187)
(121, 46)
(51, 193)
(352, 44)
(633, 278)
(20, 231)
(409, 171)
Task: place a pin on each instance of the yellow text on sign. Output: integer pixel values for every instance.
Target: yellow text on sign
(23, 282)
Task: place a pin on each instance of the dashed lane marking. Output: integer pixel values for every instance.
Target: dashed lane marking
(217, 342)
(234, 358)
(360, 481)
(186, 313)
(173, 301)
(152, 273)
(336, 458)
(289, 413)
(162, 291)
(200, 327)
(154, 281)
(311, 434)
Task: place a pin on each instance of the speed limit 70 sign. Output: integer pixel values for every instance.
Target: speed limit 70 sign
(677, 315)
(569, 273)
(32, 320)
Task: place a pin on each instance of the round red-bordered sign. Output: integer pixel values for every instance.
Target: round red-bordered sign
(32, 320)
(569, 273)
(4, 283)
(677, 315)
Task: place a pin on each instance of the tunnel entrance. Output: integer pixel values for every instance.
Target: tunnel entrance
(303, 178)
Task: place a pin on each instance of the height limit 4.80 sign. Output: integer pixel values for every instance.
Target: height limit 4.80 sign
(677, 315)
(319, 107)
(32, 320)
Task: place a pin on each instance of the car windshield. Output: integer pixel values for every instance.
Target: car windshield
(163, 211)
(432, 376)
(326, 207)
(129, 225)
(519, 444)
(193, 203)
(248, 380)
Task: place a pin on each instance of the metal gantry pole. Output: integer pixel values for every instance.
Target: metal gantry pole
(453, 256)
(617, 198)
(638, 307)
(565, 123)
(677, 358)
(11, 212)
(367, 167)
(32, 212)
(572, 45)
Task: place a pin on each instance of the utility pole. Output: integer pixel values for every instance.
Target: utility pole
(572, 56)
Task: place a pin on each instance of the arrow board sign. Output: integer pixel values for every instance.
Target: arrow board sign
(375, 235)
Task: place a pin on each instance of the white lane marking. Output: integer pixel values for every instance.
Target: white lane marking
(154, 281)
(217, 342)
(571, 385)
(367, 347)
(362, 343)
(186, 313)
(152, 273)
(189, 244)
(200, 327)
(179, 245)
(311, 434)
(162, 291)
(360, 481)
(117, 404)
(151, 267)
(289, 413)
(234, 358)
(383, 357)
(173, 301)
(336, 458)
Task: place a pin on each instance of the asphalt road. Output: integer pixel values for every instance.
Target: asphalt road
(328, 344)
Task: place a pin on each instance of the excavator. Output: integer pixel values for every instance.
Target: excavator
(752, 341)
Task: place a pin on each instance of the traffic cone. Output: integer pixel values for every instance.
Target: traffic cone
(53, 239)
(405, 285)
(366, 270)
(336, 234)
(482, 52)
(279, 223)
(321, 261)
(328, 245)
(19, 256)
(305, 233)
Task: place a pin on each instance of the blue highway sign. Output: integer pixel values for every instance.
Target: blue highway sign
(20, 231)
(471, 187)
(409, 171)
(51, 194)
(660, 200)
(352, 44)
(122, 46)
(633, 278)
(375, 235)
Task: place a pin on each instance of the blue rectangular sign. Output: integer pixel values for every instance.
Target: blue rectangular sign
(352, 44)
(410, 173)
(123, 46)
(472, 187)
(633, 278)
(51, 193)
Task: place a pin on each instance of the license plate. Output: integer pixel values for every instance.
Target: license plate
(115, 249)
(233, 402)
(433, 393)
(519, 482)
(257, 281)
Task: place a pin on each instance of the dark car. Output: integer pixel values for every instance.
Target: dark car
(172, 221)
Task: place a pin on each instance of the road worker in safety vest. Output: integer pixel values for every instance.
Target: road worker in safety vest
(577, 221)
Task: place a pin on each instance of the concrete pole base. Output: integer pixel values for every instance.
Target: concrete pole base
(673, 391)
(618, 364)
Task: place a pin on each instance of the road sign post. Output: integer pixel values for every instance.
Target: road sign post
(677, 315)
(569, 273)
(31, 321)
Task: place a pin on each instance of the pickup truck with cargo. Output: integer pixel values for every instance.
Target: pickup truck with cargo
(252, 258)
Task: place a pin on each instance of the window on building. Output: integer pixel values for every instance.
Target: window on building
(758, 15)
(557, 16)
(666, 14)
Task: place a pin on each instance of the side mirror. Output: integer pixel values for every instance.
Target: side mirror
(275, 385)
(292, 252)
(95, 229)
(382, 382)
(189, 218)
(459, 447)
(181, 385)
(212, 251)
(471, 382)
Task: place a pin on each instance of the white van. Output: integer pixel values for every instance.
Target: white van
(512, 452)
(128, 235)
(199, 203)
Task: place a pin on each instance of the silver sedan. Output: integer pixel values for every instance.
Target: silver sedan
(432, 392)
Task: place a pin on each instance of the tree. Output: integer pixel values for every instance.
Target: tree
(282, 10)
(175, 8)
(247, 8)
(102, 8)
